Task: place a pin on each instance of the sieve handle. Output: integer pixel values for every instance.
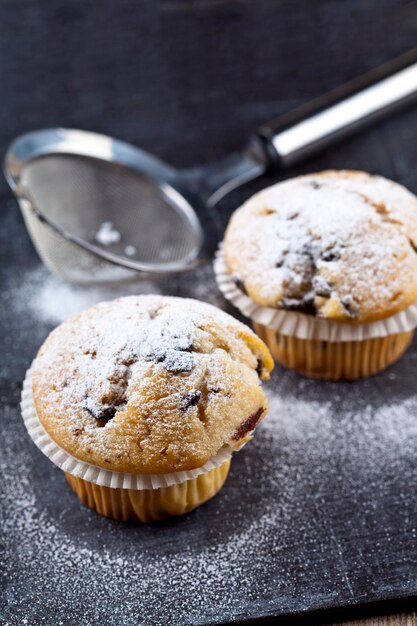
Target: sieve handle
(288, 139)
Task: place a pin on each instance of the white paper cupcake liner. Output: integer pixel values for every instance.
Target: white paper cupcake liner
(304, 326)
(93, 473)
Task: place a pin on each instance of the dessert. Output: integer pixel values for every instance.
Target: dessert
(150, 389)
(337, 250)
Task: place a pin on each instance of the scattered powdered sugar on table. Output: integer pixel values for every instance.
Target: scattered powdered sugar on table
(293, 526)
(51, 300)
(303, 440)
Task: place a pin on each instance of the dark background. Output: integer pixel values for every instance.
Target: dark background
(188, 80)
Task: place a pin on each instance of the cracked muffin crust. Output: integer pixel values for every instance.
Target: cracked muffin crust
(340, 245)
(150, 384)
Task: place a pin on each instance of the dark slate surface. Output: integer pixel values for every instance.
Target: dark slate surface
(316, 515)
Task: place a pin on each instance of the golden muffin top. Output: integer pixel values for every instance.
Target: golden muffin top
(150, 384)
(341, 245)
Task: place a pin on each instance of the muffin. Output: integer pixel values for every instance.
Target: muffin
(149, 391)
(333, 256)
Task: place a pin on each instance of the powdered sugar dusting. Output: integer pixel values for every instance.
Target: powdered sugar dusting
(310, 459)
(336, 245)
(107, 235)
(51, 300)
(314, 508)
(148, 354)
(113, 337)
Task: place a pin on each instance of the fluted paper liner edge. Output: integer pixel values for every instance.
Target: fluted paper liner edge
(93, 473)
(304, 326)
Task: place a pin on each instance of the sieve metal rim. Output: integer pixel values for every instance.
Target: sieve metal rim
(63, 141)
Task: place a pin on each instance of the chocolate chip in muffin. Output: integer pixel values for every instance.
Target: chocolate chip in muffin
(413, 245)
(176, 358)
(180, 343)
(102, 413)
(351, 307)
(248, 424)
(302, 305)
(190, 399)
(240, 284)
(91, 352)
(330, 255)
(283, 252)
(259, 367)
(178, 362)
(307, 253)
(315, 185)
(321, 287)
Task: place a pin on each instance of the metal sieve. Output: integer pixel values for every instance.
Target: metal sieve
(101, 210)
